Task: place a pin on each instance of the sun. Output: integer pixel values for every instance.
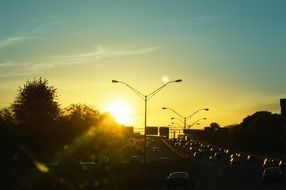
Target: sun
(121, 111)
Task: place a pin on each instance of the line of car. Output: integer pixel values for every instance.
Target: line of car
(272, 169)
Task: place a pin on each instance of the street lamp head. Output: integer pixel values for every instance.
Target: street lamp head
(194, 124)
(179, 80)
(207, 109)
(114, 81)
(204, 118)
(172, 118)
(164, 108)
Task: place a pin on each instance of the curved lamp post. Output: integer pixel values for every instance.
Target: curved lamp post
(179, 127)
(146, 98)
(196, 122)
(183, 118)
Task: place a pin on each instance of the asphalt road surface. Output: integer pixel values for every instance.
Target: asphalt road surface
(219, 174)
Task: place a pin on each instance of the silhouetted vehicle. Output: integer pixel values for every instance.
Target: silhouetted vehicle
(251, 158)
(155, 149)
(203, 146)
(221, 150)
(87, 163)
(164, 158)
(282, 164)
(212, 158)
(104, 160)
(197, 155)
(234, 161)
(269, 162)
(179, 180)
(134, 159)
(232, 156)
(272, 174)
(201, 150)
(241, 156)
(217, 155)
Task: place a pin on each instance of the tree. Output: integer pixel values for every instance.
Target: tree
(215, 126)
(36, 102)
(6, 117)
(81, 114)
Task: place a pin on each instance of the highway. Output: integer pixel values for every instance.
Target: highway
(218, 174)
(207, 174)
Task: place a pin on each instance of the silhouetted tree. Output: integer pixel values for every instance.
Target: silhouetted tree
(81, 112)
(6, 117)
(259, 132)
(214, 126)
(81, 117)
(263, 130)
(36, 102)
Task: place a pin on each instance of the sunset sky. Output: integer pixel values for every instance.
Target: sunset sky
(231, 55)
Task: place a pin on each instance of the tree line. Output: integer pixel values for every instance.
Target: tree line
(36, 127)
(262, 133)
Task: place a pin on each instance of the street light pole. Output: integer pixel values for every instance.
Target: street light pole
(196, 122)
(179, 127)
(145, 125)
(183, 118)
(172, 130)
(145, 98)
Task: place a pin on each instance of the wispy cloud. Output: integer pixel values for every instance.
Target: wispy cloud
(14, 40)
(203, 20)
(31, 31)
(101, 52)
(37, 65)
(135, 52)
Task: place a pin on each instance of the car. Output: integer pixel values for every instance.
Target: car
(212, 158)
(134, 159)
(155, 149)
(272, 174)
(268, 162)
(282, 164)
(221, 150)
(241, 156)
(217, 155)
(200, 150)
(232, 156)
(197, 155)
(87, 163)
(164, 158)
(179, 179)
(234, 161)
(251, 158)
(104, 160)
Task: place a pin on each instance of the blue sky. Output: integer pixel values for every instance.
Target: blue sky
(230, 54)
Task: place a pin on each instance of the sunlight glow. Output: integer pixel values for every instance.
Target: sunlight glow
(165, 78)
(121, 111)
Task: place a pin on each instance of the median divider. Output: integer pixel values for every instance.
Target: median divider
(178, 153)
